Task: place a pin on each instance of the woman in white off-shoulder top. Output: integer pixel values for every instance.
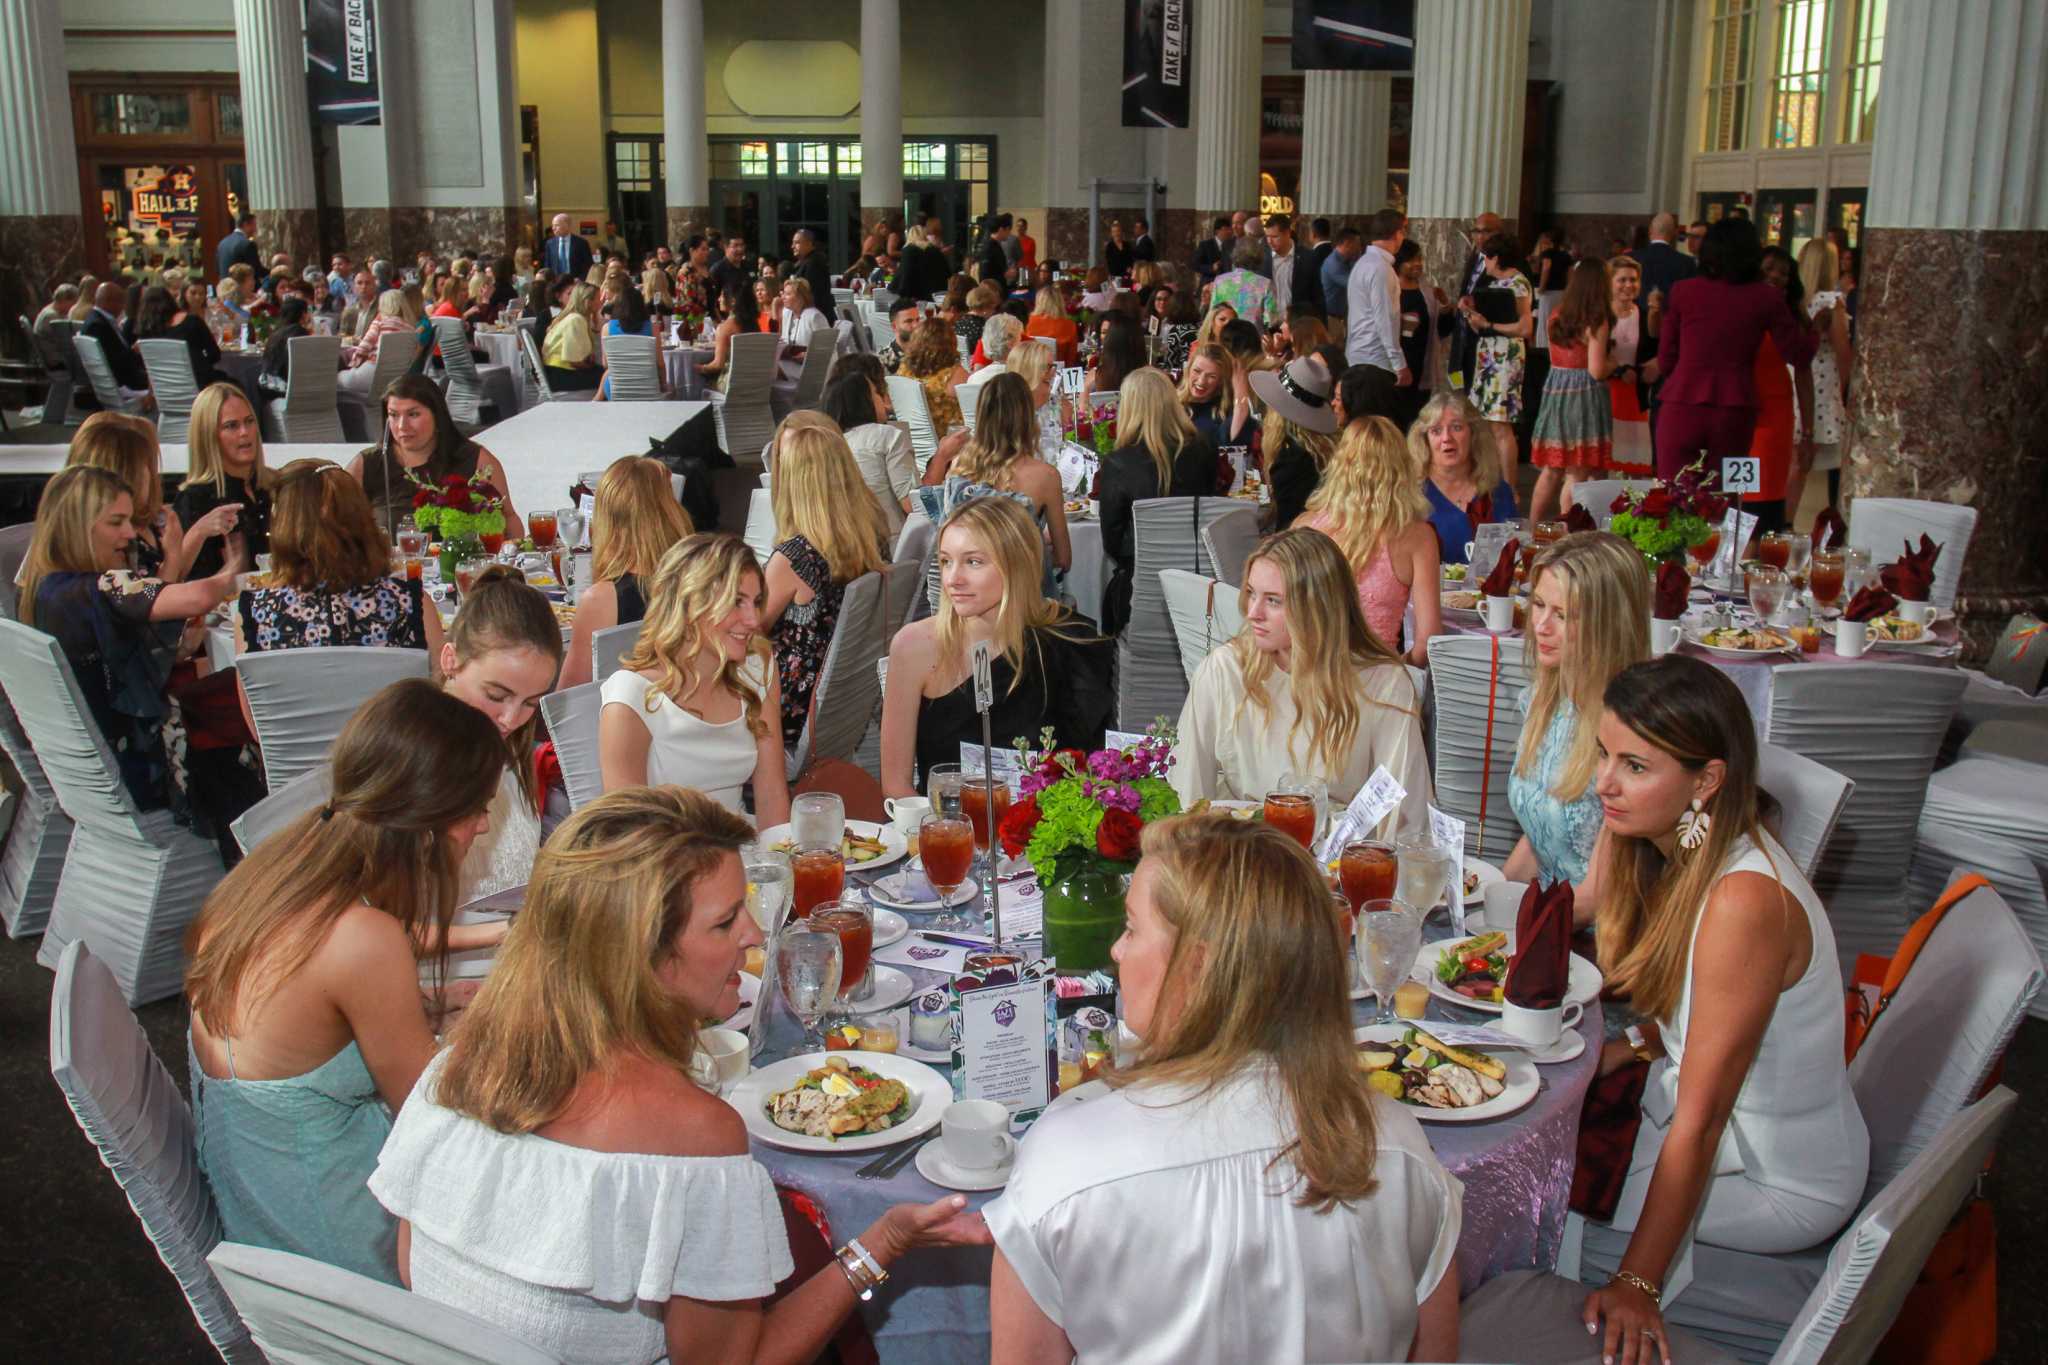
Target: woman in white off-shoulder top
(556, 1170)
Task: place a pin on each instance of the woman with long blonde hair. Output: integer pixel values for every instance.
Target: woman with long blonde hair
(569, 349)
(635, 520)
(224, 473)
(126, 446)
(1159, 455)
(1049, 320)
(1003, 455)
(1589, 618)
(1049, 666)
(696, 700)
(1217, 395)
(1244, 1107)
(1035, 364)
(1305, 687)
(1368, 502)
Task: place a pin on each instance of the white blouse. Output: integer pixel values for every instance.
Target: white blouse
(887, 466)
(502, 856)
(685, 751)
(1148, 1227)
(797, 327)
(576, 1251)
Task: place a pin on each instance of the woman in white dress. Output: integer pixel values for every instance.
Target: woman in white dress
(696, 701)
(1751, 1138)
(1239, 1193)
(557, 1170)
(1305, 688)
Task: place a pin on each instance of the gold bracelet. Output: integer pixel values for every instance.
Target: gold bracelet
(1635, 1281)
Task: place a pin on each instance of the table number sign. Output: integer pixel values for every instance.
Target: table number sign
(1741, 474)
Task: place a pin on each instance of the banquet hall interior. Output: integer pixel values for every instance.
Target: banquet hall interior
(606, 604)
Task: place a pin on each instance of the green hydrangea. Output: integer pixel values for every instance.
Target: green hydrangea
(1659, 540)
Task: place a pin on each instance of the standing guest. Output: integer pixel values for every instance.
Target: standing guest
(569, 349)
(1464, 337)
(1589, 615)
(1244, 289)
(1295, 281)
(996, 266)
(1244, 1107)
(1551, 265)
(1142, 246)
(104, 325)
(1783, 440)
(1298, 434)
(933, 360)
(1183, 320)
(1121, 355)
(904, 315)
(1503, 353)
(1218, 397)
(1426, 319)
(1574, 435)
(1695, 238)
(635, 520)
(420, 444)
(881, 450)
(1819, 275)
(308, 1028)
(736, 304)
(801, 317)
(565, 253)
(1027, 247)
(1369, 505)
(1450, 444)
(1320, 243)
(238, 248)
(810, 268)
(731, 264)
(611, 241)
(695, 702)
(1116, 252)
(1049, 320)
(1212, 257)
(224, 469)
(1159, 455)
(1633, 456)
(1373, 312)
(1664, 266)
(1049, 668)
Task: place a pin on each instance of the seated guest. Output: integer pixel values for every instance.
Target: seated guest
(1160, 455)
(1218, 397)
(933, 360)
(630, 318)
(1369, 505)
(831, 533)
(1034, 365)
(1122, 355)
(635, 521)
(277, 355)
(126, 446)
(978, 305)
(188, 325)
(695, 702)
(1182, 320)
(104, 324)
(1002, 456)
(800, 315)
(1049, 319)
(224, 468)
(1049, 667)
(62, 301)
(1751, 1138)
(1589, 618)
(392, 319)
(1306, 687)
(308, 1027)
(1298, 433)
(570, 348)
(881, 450)
(1454, 450)
(646, 1174)
(451, 297)
(421, 444)
(737, 317)
(1243, 1110)
(904, 315)
(999, 337)
(154, 310)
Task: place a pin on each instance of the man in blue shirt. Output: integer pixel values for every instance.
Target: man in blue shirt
(1336, 274)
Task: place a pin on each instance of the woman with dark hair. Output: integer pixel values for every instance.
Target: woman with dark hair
(736, 315)
(1503, 354)
(1122, 355)
(1574, 435)
(1706, 350)
(881, 450)
(1183, 321)
(421, 444)
(188, 325)
(630, 318)
(1782, 446)
(153, 315)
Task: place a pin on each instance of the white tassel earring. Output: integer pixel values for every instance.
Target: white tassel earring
(1693, 826)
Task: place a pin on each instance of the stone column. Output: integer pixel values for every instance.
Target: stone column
(881, 115)
(1958, 222)
(686, 155)
(1465, 148)
(277, 129)
(1229, 38)
(40, 228)
(1346, 120)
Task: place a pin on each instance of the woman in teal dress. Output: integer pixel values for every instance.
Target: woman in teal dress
(308, 1028)
(1589, 614)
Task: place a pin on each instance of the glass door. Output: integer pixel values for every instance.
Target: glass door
(638, 198)
(1787, 218)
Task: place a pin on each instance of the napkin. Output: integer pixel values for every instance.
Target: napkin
(1869, 604)
(1479, 511)
(1541, 968)
(1829, 529)
(1912, 577)
(1501, 582)
(1579, 519)
(1671, 590)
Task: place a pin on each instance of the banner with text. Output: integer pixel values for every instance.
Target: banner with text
(341, 61)
(1157, 70)
(1354, 35)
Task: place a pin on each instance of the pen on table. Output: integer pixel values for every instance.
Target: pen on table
(955, 942)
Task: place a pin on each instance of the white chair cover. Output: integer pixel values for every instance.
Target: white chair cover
(571, 718)
(531, 351)
(742, 409)
(853, 337)
(1986, 813)
(395, 353)
(760, 532)
(847, 693)
(1460, 667)
(58, 408)
(609, 645)
(39, 832)
(301, 698)
(169, 363)
(1204, 615)
(1884, 526)
(1167, 535)
(465, 386)
(93, 357)
(879, 332)
(1597, 495)
(128, 1105)
(907, 396)
(284, 805)
(810, 381)
(2023, 741)
(968, 396)
(900, 597)
(305, 1312)
(1810, 798)
(635, 377)
(309, 410)
(1230, 540)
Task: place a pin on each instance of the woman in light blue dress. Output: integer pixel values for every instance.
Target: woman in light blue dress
(1589, 615)
(307, 1027)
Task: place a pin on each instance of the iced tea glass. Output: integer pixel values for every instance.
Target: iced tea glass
(1293, 814)
(853, 919)
(1368, 870)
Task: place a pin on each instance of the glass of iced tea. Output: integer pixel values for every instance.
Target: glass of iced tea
(853, 919)
(1775, 549)
(415, 568)
(1368, 871)
(1704, 549)
(493, 541)
(818, 877)
(945, 845)
(1547, 531)
(541, 526)
(1824, 578)
(974, 803)
(467, 572)
(411, 540)
(1293, 814)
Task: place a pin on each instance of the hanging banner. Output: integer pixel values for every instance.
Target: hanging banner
(1157, 70)
(341, 61)
(1354, 35)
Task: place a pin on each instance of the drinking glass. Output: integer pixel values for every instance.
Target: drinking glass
(411, 539)
(541, 525)
(1857, 571)
(569, 527)
(942, 784)
(945, 845)
(817, 820)
(771, 883)
(1768, 588)
(1795, 559)
(1293, 814)
(974, 803)
(1367, 871)
(1704, 550)
(1318, 791)
(1548, 531)
(1775, 549)
(1824, 580)
(853, 919)
(466, 574)
(1429, 873)
(807, 966)
(1389, 937)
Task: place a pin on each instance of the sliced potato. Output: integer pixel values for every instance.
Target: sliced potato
(1375, 1061)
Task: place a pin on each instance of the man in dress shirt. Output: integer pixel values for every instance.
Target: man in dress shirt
(810, 267)
(1295, 282)
(103, 325)
(1373, 314)
(567, 254)
(1335, 276)
(1142, 247)
(1465, 341)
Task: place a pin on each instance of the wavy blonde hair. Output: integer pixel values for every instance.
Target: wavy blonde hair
(126, 446)
(637, 519)
(1607, 615)
(1369, 493)
(1012, 539)
(205, 463)
(1005, 431)
(1331, 646)
(654, 283)
(1031, 362)
(693, 588)
(818, 493)
(1480, 456)
(72, 502)
(1216, 354)
(1149, 415)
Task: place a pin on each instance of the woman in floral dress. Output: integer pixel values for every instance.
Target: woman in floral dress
(1503, 348)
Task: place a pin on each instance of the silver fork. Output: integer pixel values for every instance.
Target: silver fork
(889, 1163)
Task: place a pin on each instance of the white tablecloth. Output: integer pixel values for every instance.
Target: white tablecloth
(682, 363)
(544, 448)
(502, 348)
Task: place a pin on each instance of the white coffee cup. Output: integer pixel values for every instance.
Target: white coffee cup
(1503, 902)
(1851, 637)
(906, 812)
(1540, 1027)
(975, 1135)
(1919, 613)
(1500, 614)
(721, 1058)
(1664, 636)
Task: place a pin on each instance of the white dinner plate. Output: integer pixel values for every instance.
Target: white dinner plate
(1487, 873)
(930, 1093)
(1696, 639)
(1519, 1086)
(1928, 641)
(1583, 985)
(889, 927)
(894, 845)
(892, 988)
(750, 992)
(906, 890)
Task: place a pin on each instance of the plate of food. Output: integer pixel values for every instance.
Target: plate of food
(1896, 632)
(1469, 971)
(1443, 1084)
(1240, 810)
(866, 845)
(1080, 509)
(1742, 642)
(841, 1101)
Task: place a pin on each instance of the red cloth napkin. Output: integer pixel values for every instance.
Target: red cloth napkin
(1671, 590)
(1479, 511)
(1579, 519)
(1912, 577)
(1829, 529)
(1869, 604)
(1541, 968)
(1501, 582)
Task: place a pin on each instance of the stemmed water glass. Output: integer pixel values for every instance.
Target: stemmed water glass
(807, 966)
(1389, 937)
(1767, 591)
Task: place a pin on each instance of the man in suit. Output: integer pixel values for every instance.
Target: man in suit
(1464, 341)
(995, 253)
(1664, 265)
(355, 319)
(1212, 257)
(566, 253)
(239, 248)
(810, 268)
(1295, 281)
(103, 324)
(1142, 246)
(1319, 244)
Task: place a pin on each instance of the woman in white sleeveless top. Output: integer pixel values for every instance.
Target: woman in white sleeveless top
(1751, 1138)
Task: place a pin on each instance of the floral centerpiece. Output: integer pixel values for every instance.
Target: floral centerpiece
(459, 512)
(1078, 823)
(1663, 521)
(1096, 427)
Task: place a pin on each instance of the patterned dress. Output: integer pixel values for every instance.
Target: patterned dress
(386, 613)
(803, 635)
(121, 662)
(1497, 391)
(1561, 833)
(1575, 425)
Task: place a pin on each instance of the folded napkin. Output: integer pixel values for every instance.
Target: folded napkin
(1912, 577)
(1579, 519)
(1479, 511)
(1671, 590)
(1501, 582)
(1542, 966)
(1869, 604)
(1829, 529)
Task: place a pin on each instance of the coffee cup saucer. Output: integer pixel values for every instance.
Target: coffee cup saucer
(1567, 1047)
(933, 1166)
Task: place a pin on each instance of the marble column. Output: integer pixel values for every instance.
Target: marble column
(881, 115)
(1958, 223)
(1229, 42)
(1347, 118)
(277, 127)
(686, 155)
(40, 228)
(1465, 146)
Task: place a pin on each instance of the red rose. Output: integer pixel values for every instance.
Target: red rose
(1713, 506)
(1619, 505)
(1016, 826)
(422, 498)
(1656, 504)
(455, 483)
(1116, 838)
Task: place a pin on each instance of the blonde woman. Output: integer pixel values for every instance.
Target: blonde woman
(522, 266)
(126, 446)
(1589, 618)
(800, 315)
(1460, 473)
(1306, 687)
(1161, 456)
(831, 533)
(1368, 503)
(570, 348)
(695, 701)
(391, 318)
(1827, 310)
(1034, 365)
(1050, 669)
(1244, 1108)
(1002, 456)
(635, 521)
(88, 286)
(1218, 396)
(224, 469)
(656, 286)
(1049, 320)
